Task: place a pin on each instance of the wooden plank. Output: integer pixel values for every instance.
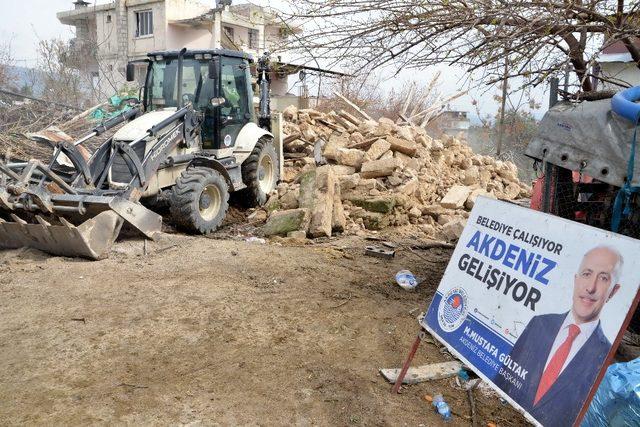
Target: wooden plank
(419, 374)
(331, 125)
(364, 145)
(350, 117)
(346, 124)
(354, 106)
(291, 138)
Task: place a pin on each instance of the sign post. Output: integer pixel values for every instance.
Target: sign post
(536, 305)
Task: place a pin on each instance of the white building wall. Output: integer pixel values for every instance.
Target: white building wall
(185, 9)
(625, 71)
(114, 32)
(140, 46)
(191, 38)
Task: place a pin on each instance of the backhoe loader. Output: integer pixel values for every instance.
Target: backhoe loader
(193, 139)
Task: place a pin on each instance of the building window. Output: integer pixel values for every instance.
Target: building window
(144, 23)
(228, 31)
(253, 39)
(108, 19)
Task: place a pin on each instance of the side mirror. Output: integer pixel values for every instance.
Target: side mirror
(216, 102)
(214, 69)
(131, 72)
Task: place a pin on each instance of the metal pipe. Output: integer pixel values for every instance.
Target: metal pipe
(180, 60)
(549, 169)
(85, 138)
(74, 209)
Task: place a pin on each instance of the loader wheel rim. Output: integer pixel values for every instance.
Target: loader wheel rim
(266, 172)
(210, 202)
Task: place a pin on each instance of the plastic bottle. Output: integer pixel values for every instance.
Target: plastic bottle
(406, 280)
(442, 407)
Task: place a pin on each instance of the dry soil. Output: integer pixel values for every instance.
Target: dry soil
(219, 331)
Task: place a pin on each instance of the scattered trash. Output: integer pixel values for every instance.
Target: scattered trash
(617, 401)
(406, 280)
(428, 398)
(442, 407)
(379, 252)
(463, 375)
(254, 239)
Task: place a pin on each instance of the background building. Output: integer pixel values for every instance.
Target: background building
(112, 34)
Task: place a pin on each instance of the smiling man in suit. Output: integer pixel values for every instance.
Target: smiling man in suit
(564, 352)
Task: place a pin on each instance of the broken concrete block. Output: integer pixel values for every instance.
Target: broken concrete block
(387, 155)
(471, 176)
(511, 191)
(455, 197)
(378, 168)
(403, 159)
(377, 149)
(377, 204)
(357, 138)
(339, 220)
(272, 204)
(367, 127)
(424, 140)
(405, 132)
(385, 126)
(367, 184)
(484, 177)
(409, 187)
(372, 220)
(415, 212)
(316, 195)
(348, 182)
(394, 180)
(350, 157)
(330, 150)
(402, 145)
(290, 113)
(453, 229)
(339, 170)
(471, 200)
(289, 200)
(282, 222)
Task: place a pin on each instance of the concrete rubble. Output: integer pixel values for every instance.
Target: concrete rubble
(381, 174)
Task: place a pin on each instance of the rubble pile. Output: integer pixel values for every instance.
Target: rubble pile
(343, 174)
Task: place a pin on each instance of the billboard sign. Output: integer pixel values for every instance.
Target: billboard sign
(536, 304)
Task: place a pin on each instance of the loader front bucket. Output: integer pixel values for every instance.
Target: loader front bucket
(92, 239)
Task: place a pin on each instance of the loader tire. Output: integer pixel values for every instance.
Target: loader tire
(199, 200)
(260, 173)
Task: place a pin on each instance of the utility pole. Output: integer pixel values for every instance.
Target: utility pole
(503, 105)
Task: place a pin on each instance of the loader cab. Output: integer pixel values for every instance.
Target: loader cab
(216, 82)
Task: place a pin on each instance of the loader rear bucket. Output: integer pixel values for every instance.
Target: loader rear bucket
(92, 239)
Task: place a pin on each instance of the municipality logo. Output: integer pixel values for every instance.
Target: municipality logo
(453, 309)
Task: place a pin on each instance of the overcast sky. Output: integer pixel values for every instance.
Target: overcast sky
(27, 21)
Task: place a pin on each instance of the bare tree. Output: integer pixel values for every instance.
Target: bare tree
(59, 65)
(535, 37)
(6, 62)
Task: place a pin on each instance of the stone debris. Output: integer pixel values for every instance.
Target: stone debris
(284, 222)
(380, 174)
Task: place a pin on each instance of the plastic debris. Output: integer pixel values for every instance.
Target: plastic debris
(617, 401)
(406, 280)
(463, 375)
(254, 239)
(442, 407)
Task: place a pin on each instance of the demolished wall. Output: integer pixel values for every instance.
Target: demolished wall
(386, 175)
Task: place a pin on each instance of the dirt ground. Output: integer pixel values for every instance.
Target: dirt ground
(220, 331)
